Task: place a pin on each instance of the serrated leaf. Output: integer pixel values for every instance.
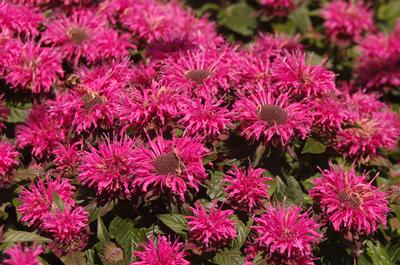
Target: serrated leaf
(13, 236)
(214, 185)
(242, 233)
(239, 17)
(229, 257)
(75, 258)
(127, 236)
(312, 146)
(102, 232)
(177, 222)
(378, 254)
(301, 19)
(19, 112)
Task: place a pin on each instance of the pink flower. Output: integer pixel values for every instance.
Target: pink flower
(274, 45)
(292, 73)
(170, 165)
(68, 156)
(19, 19)
(246, 188)
(69, 228)
(370, 132)
(8, 161)
(206, 117)
(349, 201)
(346, 21)
(329, 114)
(110, 168)
(30, 66)
(378, 61)
(85, 35)
(253, 68)
(273, 120)
(39, 131)
(4, 112)
(36, 201)
(161, 251)
(212, 228)
(154, 105)
(202, 72)
(23, 255)
(286, 234)
(46, 2)
(278, 7)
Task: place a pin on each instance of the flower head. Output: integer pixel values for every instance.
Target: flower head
(37, 200)
(109, 169)
(85, 35)
(346, 21)
(171, 165)
(348, 201)
(30, 66)
(293, 73)
(40, 131)
(271, 119)
(286, 233)
(211, 229)
(246, 189)
(25, 255)
(329, 114)
(161, 251)
(8, 161)
(19, 19)
(68, 227)
(68, 156)
(278, 7)
(274, 45)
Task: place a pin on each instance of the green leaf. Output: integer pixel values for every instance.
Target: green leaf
(57, 203)
(13, 236)
(102, 232)
(75, 258)
(177, 222)
(389, 12)
(127, 236)
(229, 257)
(312, 146)
(301, 19)
(19, 112)
(214, 185)
(378, 254)
(239, 17)
(242, 233)
(90, 256)
(95, 211)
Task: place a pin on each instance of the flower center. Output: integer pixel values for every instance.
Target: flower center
(167, 164)
(198, 76)
(273, 114)
(288, 234)
(350, 199)
(78, 36)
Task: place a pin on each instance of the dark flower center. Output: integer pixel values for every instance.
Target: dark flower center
(349, 199)
(197, 76)
(78, 36)
(273, 114)
(91, 100)
(167, 164)
(288, 234)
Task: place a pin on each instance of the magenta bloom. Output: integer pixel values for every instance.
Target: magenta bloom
(156, 104)
(161, 251)
(273, 45)
(19, 19)
(8, 161)
(85, 35)
(286, 234)
(23, 255)
(292, 73)
(109, 169)
(170, 165)
(30, 66)
(68, 227)
(4, 112)
(378, 61)
(346, 21)
(273, 120)
(370, 132)
(68, 156)
(278, 7)
(202, 72)
(329, 114)
(348, 201)
(206, 116)
(246, 188)
(212, 229)
(39, 131)
(38, 198)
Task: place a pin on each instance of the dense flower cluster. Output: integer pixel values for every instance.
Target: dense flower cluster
(142, 132)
